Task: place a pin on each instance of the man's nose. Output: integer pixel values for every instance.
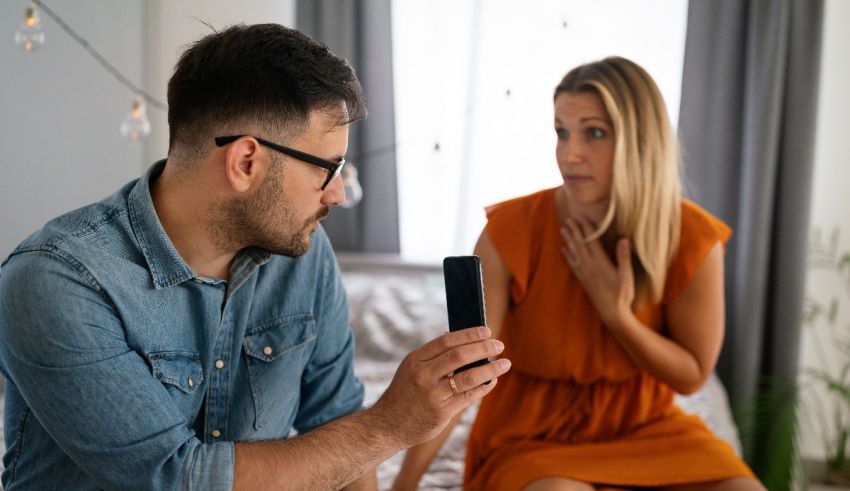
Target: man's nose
(334, 193)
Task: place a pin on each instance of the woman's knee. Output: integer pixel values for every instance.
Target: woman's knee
(734, 484)
(558, 484)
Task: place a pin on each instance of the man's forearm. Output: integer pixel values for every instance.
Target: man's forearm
(329, 457)
(368, 482)
(417, 405)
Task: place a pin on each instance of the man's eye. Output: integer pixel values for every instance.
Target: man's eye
(562, 133)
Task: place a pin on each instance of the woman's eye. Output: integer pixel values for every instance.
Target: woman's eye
(595, 133)
(562, 133)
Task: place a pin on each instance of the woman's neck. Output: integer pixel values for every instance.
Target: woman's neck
(594, 212)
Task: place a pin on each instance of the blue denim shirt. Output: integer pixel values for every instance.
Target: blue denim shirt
(126, 370)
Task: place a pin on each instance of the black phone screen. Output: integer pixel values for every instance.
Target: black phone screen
(464, 295)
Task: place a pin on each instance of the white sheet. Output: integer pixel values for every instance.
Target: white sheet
(393, 311)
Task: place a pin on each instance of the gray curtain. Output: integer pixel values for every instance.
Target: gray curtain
(360, 31)
(747, 127)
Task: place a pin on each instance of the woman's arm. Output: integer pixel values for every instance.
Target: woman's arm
(497, 280)
(685, 360)
(695, 319)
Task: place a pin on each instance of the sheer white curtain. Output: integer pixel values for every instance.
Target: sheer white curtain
(473, 98)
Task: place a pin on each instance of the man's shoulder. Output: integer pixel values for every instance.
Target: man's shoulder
(91, 230)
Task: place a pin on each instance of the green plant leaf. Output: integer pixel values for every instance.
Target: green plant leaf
(811, 311)
(832, 384)
(769, 432)
(834, 240)
(843, 347)
(844, 262)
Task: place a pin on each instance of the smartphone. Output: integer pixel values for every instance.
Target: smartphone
(464, 296)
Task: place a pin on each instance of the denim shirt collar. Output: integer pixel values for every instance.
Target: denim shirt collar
(166, 265)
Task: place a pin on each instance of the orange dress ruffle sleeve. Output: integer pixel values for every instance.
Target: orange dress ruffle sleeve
(574, 404)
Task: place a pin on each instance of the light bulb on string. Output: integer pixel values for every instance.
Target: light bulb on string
(29, 35)
(353, 191)
(136, 125)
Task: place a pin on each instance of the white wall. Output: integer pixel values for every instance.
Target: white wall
(174, 24)
(480, 84)
(830, 210)
(60, 146)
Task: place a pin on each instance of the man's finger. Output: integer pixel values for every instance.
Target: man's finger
(460, 356)
(472, 378)
(449, 340)
(456, 404)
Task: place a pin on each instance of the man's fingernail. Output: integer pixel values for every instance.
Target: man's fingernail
(504, 364)
(497, 345)
(483, 332)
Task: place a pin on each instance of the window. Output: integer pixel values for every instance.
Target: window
(473, 97)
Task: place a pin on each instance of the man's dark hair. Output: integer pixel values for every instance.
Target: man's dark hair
(265, 75)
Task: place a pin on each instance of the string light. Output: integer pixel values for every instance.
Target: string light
(353, 191)
(136, 125)
(29, 35)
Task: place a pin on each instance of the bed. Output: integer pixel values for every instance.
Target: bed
(396, 306)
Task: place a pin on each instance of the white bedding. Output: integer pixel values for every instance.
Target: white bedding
(394, 308)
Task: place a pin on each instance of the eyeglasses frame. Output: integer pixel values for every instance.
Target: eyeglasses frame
(333, 168)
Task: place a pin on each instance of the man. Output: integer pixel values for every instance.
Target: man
(201, 305)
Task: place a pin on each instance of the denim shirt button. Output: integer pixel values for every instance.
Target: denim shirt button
(267, 350)
(219, 364)
(215, 433)
(190, 382)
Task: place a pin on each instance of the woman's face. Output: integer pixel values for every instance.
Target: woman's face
(585, 149)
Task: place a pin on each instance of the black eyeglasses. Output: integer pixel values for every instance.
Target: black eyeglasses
(334, 168)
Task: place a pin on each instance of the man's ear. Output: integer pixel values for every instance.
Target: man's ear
(244, 165)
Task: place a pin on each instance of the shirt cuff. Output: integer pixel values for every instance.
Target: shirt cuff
(213, 468)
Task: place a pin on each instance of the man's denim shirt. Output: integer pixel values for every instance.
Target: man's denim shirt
(126, 370)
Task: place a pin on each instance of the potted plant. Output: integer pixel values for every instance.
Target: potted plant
(825, 387)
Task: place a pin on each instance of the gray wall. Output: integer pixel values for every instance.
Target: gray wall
(60, 145)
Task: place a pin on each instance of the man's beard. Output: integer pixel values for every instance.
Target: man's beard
(265, 220)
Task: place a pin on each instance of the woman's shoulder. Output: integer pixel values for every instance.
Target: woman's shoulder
(521, 206)
(700, 232)
(514, 227)
(698, 225)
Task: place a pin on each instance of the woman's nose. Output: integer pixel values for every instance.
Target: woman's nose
(571, 151)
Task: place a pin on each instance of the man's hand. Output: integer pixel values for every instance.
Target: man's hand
(421, 400)
(418, 404)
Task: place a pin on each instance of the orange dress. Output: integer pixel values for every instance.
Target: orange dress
(574, 404)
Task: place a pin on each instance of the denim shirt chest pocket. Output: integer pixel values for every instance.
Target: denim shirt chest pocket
(182, 375)
(276, 353)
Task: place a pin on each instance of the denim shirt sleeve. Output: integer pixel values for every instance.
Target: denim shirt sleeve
(65, 350)
(329, 388)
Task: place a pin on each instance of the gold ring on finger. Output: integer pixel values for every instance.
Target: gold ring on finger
(453, 385)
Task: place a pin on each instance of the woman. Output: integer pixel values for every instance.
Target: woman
(608, 294)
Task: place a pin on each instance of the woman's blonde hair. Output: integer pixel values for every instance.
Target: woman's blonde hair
(646, 192)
